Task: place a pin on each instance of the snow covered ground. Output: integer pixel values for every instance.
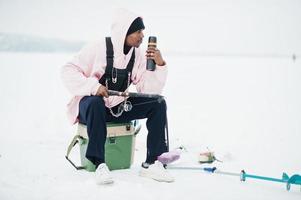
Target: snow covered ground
(222, 93)
(246, 110)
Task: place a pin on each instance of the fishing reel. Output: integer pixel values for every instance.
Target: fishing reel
(126, 106)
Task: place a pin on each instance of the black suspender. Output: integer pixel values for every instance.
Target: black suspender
(109, 68)
(110, 56)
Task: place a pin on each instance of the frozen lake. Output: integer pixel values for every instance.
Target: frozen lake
(232, 87)
(247, 110)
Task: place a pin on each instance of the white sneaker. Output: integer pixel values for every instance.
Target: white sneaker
(103, 175)
(157, 172)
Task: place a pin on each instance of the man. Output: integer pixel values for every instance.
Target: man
(114, 63)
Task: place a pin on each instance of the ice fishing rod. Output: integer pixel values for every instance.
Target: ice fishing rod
(133, 94)
(128, 106)
(294, 179)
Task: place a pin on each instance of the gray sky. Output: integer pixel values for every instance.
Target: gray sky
(258, 26)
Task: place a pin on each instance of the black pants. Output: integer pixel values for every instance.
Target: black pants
(94, 114)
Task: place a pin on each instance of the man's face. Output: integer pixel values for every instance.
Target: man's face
(135, 39)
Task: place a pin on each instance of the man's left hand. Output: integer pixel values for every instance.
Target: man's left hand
(155, 54)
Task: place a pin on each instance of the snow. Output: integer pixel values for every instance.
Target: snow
(245, 108)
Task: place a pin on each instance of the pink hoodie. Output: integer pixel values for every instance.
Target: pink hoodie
(82, 73)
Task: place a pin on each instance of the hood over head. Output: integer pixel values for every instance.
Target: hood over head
(120, 26)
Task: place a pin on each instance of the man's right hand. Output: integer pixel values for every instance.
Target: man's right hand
(102, 91)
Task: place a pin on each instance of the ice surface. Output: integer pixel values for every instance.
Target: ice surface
(244, 108)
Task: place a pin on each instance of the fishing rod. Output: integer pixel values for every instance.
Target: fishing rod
(127, 106)
(134, 94)
(294, 179)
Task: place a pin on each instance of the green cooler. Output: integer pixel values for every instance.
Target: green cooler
(119, 146)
